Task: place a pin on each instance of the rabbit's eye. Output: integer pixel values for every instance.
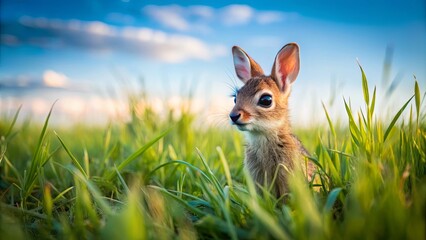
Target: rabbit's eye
(235, 99)
(265, 101)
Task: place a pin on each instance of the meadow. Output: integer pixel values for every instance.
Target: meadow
(167, 178)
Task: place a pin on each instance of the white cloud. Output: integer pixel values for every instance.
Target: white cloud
(99, 28)
(204, 12)
(267, 17)
(172, 48)
(74, 24)
(54, 79)
(170, 16)
(202, 18)
(181, 18)
(236, 14)
(99, 36)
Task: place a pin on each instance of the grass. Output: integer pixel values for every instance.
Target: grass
(162, 178)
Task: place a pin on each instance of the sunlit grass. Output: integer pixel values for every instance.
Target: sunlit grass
(162, 178)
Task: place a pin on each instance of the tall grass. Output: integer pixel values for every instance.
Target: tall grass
(162, 178)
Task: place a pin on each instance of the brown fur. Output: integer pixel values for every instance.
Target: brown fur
(271, 146)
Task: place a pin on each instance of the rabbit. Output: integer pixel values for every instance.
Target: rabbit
(261, 112)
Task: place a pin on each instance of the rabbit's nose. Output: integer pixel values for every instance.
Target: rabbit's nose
(235, 116)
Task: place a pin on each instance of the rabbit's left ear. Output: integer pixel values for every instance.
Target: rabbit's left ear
(245, 67)
(286, 66)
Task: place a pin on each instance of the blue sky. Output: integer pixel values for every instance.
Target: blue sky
(84, 52)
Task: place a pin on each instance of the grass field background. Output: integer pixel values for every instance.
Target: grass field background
(164, 177)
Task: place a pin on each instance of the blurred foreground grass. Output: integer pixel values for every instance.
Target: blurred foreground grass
(164, 178)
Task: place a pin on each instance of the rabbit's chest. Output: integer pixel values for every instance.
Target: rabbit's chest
(265, 155)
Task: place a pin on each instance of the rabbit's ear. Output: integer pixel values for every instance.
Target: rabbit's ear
(245, 67)
(286, 66)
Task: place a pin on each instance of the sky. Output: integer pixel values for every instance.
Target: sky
(88, 54)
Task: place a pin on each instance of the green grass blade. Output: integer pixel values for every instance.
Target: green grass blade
(179, 162)
(417, 94)
(364, 86)
(268, 222)
(3, 148)
(211, 175)
(136, 154)
(31, 175)
(353, 128)
(373, 103)
(226, 209)
(15, 117)
(126, 188)
(74, 159)
(391, 125)
(61, 194)
(43, 132)
(318, 164)
(197, 199)
(14, 169)
(225, 166)
(331, 166)
(96, 193)
(330, 123)
(209, 222)
(181, 201)
(331, 199)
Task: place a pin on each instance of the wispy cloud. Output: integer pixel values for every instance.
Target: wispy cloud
(99, 36)
(236, 14)
(55, 79)
(202, 11)
(201, 17)
(172, 16)
(182, 18)
(267, 17)
(50, 79)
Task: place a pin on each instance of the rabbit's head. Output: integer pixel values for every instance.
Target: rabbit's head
(261, 104)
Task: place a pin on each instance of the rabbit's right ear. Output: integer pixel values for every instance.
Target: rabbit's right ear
(286, 66)
(245, 67)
